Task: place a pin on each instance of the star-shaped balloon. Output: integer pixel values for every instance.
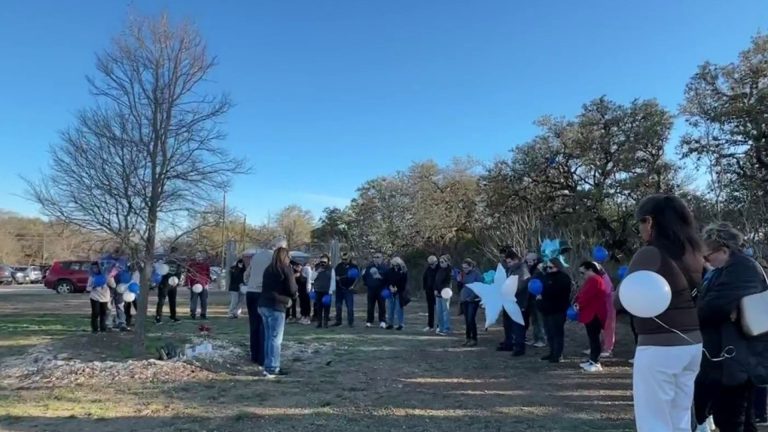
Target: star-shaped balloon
(499, 295)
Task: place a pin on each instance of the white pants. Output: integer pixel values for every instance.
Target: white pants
(236, 299)
(662, 382)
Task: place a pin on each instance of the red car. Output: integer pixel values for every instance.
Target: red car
(66, 277)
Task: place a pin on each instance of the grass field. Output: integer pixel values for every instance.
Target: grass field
(354, 379)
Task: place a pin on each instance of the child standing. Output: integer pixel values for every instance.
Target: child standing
(591, 304)
(97, 286)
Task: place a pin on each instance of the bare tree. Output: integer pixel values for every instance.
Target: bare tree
(147, 153)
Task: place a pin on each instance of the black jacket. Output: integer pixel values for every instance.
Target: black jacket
(278, 288)
(342, 270)
(428, 280)
(717, 300)
(443, 279)
(521, 271)
(236, 275)
(399, 279)
(556, 296)
(322, 282)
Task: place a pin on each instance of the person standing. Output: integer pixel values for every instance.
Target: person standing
(553, 305)
(198, 273)
(609, 333)
(254, 278)
(397, 280)
(734, 363)
(167, 289)
(373, 278)
(668, 355)
(322, 287)
(533, 316)
(443, 280)
(304, 281)
(278, 291)
(99, 297)
(516, 267)
(236, 294)
(470, 300)
(428, 284)
(344, 293)
(590, 303)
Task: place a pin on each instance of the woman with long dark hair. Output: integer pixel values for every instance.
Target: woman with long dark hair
(278, 290)
(236, 293)
(668, 350)
(734, 363)
(553, 304)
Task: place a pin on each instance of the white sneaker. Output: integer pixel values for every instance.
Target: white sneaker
(437, 330)
(711, 423)
(382, 325)
(442, 334)
(631, 361)
(585, 364)
(539, 344)
(587, 351)
(368, 325)
(606, 354)
(704, 427)
(593, 367)
(428, 329)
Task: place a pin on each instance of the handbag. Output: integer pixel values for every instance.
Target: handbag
(753, 310)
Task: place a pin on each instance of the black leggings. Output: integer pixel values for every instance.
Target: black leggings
(594, 328)
(305, 306)
(374, 300)
(470, 319)
(99, 315)
(430, 308)
(323, 311)
(164, 291)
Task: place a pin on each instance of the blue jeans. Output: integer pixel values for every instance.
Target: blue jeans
(345, 295)
(394, 308)
(274, 324)
(444, 314)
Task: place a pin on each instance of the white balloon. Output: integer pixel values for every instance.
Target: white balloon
(173, 281)
(121, 288)
(163, 269)
(111, 282)
(645, 294)
(129, 297)
(446, 293)
(197, 288)
(243, 288)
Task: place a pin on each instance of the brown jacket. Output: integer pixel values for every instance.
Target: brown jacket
(683, 277)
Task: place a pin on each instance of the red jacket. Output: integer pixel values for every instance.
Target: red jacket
(198, 272)
(592, 298)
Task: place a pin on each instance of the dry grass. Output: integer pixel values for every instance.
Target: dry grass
(362, 379)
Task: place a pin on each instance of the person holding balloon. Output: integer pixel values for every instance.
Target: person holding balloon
(322, 290)
(373, 278)
(167, 289)
(470, 300)
(514, 332)
(609, 332)
(198, 279)
(657, 292)
(532, 316)
(553, 303)
(304, 281)
(430, 290)
(99, 297)
(236, 293)
(397, 281)
(443, 293)
(590, 302)
(347, 273)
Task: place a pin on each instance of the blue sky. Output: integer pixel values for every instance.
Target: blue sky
(331, 93)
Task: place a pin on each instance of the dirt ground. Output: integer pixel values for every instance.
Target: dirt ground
(340, 379)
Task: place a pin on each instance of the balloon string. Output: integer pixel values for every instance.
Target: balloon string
(727, 353)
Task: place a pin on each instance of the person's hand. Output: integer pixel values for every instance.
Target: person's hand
(393, 289)
(538, 297)
(437, 293)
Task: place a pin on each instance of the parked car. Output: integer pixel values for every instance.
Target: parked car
(34, 274)
(6, 274)
(20, 275)
(66, 277)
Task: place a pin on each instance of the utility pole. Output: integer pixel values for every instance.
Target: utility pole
(223, 233)
(242, 236)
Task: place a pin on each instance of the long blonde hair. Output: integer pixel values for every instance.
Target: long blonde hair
(280, 259)
(397, 261)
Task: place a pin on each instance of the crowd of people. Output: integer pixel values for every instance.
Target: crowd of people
(694, 364)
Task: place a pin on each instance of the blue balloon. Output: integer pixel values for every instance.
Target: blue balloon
(600, 254)
(156, 278)
(125, 277)
(535, 287)
(326, 300)
(312, 295)
(386, 293)
(623, 271)
(133, 287)
(99, 280)
(353, 273)
(489, 276)
(572, 314)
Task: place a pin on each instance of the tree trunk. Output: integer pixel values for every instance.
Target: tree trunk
(139, 348)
